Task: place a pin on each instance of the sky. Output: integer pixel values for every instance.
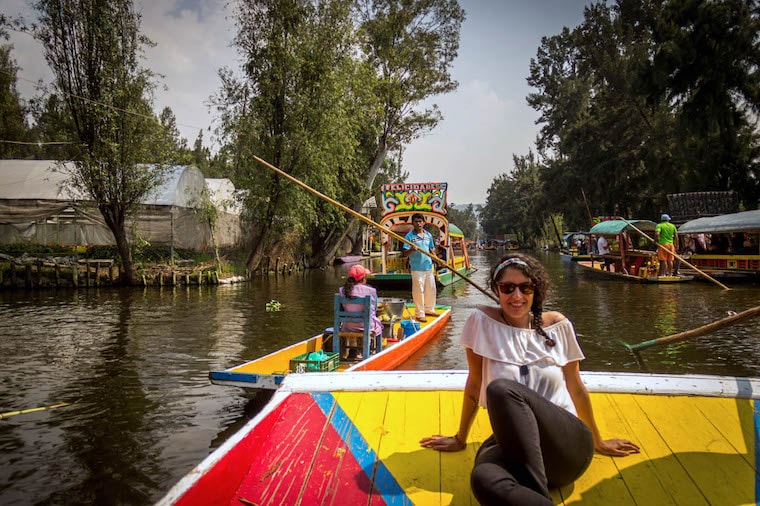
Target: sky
(486, 120)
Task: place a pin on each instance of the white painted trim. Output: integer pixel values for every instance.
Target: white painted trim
(603, 382)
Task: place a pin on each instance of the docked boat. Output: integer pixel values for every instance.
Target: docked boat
(267, 372)
(575, 247)
(738, 258)
(632, 256)
(354, 439)
(399, 203)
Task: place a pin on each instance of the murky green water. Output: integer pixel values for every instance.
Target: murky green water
(134, 363)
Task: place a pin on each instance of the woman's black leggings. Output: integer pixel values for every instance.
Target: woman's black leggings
(535, 445)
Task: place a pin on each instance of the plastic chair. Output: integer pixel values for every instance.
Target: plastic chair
(354, 314)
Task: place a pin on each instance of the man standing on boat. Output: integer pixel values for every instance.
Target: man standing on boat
(423, 273)
(666, 237)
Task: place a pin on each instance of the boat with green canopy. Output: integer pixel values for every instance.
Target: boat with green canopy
(631, 257)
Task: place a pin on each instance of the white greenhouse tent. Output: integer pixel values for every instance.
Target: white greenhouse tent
(37, 206)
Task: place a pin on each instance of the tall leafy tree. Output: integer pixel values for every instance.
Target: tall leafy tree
(13, 125)
(466, 219)
(53, 128)
(645, 99)
(93, 48)
(296, 107)
(706, 67)
(410, 45)
(514, 205)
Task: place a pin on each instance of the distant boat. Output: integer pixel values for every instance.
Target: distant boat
(569, 250)
(400, 202)
(743, 261)
(353, 438)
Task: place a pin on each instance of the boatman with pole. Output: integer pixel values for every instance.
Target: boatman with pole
(423, 273)
(666, 236)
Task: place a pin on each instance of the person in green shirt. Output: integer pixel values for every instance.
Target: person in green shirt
(666, 236)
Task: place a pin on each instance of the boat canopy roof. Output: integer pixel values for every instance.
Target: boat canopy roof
(615, 227)
(747, 221)
(455, 231)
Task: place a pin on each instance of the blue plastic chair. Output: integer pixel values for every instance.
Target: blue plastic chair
(363, 317)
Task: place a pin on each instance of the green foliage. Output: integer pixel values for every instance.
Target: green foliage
(329, 89)
(12, 110)
(466, 220)
(299, 107)
(514, 205)
(645, 99)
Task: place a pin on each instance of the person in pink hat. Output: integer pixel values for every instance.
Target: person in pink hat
(356, 286)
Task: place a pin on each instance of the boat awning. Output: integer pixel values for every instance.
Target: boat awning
(747, 221)
(615, 227)
(455, 231)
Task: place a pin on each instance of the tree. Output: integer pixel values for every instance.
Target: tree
(705, 66)
(53, 128)
(15, 131)
(513, 204)
(93, 49)
(410, 46)
(297, 107)
(176, 145)
(465, 219)
(645, 99)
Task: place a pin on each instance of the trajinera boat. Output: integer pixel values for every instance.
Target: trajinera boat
(353, 438)
(316, 354)
(632, 256)
(733, 246)
(399, 203)
(570, 249)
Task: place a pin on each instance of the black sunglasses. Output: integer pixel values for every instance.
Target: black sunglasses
(526, 288)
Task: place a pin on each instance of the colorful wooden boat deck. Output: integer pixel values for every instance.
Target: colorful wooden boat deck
(354, 439)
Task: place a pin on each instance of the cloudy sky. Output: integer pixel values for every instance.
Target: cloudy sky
(486, 120)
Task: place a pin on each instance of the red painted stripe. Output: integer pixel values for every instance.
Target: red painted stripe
(303, 461)
(219, 485)
(337, 477)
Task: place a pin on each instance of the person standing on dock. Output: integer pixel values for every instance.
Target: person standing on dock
(423, 274)
(666, 237)
(524, 368)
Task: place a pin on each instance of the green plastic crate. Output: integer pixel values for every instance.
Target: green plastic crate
(301, 363)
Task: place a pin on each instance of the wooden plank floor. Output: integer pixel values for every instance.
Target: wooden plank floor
(325, 448)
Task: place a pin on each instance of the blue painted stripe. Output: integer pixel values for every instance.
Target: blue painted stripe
(384, 482)
(756, 416)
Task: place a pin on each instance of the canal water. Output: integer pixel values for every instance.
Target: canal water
(133, 364)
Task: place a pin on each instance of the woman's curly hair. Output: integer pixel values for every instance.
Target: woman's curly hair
(533, 269)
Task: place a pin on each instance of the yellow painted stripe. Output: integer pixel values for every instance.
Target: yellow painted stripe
(694, 450)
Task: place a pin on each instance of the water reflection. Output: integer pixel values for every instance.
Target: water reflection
(134, 365)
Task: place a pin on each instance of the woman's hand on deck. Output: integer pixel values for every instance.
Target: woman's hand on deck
(617, 447)
(443, 443)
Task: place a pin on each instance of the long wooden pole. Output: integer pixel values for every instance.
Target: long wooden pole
(370, 222)
(682, 259)
(31, 410)
(705, 329)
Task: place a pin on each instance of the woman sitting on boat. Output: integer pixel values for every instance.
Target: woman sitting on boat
(356, 286)
(524, 368)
